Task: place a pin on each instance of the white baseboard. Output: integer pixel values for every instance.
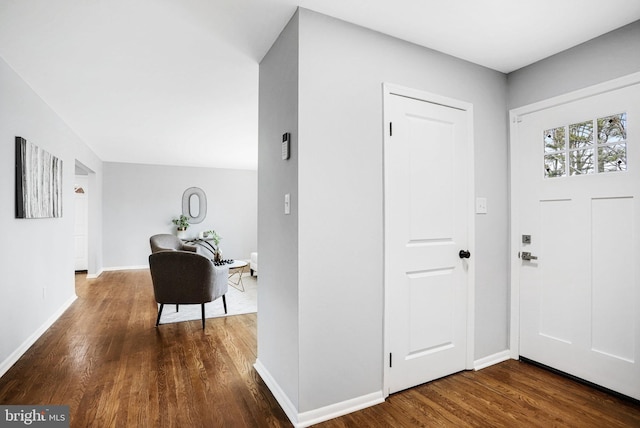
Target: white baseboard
(125, 267)
(312, 417)
(282, 399)
(322, 414)
(15, 355)
(491, 360)
(94, 275)
(114, 268)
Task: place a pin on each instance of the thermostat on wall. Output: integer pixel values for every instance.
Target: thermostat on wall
(285, 145)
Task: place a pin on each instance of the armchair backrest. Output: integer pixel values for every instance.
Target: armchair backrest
(183, 277)
(166, 242)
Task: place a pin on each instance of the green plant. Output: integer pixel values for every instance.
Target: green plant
(214, 237)
(182, 222)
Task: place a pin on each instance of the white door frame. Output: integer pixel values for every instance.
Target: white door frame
(514, 115)
(388, 90)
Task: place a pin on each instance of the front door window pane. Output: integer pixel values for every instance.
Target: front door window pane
(612, 129)
(554, 165)
(581, 135)
(581, 162)
(612, 158)
(554, 140)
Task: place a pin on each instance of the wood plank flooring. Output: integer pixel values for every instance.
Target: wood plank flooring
(107, 361)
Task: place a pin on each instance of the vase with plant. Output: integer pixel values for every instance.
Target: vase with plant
(213, 236)
(182, 224)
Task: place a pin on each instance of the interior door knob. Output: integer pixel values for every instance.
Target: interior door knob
(464, 254)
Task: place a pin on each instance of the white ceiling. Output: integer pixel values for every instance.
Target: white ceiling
(175, 82)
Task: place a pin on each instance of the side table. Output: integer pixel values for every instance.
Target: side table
(237, 268)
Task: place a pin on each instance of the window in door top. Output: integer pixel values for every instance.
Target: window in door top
(574, 149)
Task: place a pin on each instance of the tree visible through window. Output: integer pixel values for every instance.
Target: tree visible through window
(573, 149)
(554, 149)
(581, 151)
(612, 143)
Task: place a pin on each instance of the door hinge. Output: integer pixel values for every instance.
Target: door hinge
(390, 359)
(390, 129)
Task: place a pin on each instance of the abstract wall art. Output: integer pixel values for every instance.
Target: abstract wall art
(38, 182)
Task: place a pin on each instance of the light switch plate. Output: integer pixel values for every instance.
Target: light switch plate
(287, 203)
(481, 205)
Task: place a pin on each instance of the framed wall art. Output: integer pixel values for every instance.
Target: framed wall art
(38, 182)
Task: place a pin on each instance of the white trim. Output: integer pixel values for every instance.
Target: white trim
(15, 355)
(389, 89)
(514, 245)
(107, 269)
(280, 396)
(579, 94)
(490, 360)
(312, 417)
(94, 275)
(471, 223)
(332, 411)
(430, 97)
(514, 115)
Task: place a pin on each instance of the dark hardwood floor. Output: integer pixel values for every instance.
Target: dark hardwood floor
(106, 360)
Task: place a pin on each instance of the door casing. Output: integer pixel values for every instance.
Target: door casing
(514, 114)
(388, 90)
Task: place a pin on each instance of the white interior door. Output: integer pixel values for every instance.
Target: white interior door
(578, 169)
(427, 157)
(81, 204)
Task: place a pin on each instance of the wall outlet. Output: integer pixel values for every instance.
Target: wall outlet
(481, 205)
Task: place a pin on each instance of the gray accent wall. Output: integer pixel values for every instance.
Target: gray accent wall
(607, 57)
(330, 250)
(37, 255)
(140, 201)
(278, 246)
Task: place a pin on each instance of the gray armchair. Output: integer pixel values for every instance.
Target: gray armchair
(186, 278)
(166, 242)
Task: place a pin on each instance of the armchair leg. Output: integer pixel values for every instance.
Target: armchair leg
(159, 313)
(224, 302)
(177, 308)
(202, 316)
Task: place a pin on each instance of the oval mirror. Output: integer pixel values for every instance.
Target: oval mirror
(194, 204)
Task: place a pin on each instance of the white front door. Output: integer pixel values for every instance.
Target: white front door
(578, 172)
(427, 155)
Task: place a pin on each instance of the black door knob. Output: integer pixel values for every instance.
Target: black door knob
(464, 254)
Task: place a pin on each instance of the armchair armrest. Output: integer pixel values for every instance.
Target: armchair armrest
(189, 247)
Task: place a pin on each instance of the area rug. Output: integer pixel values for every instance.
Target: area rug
(238, 302)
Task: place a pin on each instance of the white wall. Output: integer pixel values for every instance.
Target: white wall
(278, 333)
(140, 201)
(339, 289)
(37, 258)
(607, 57)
